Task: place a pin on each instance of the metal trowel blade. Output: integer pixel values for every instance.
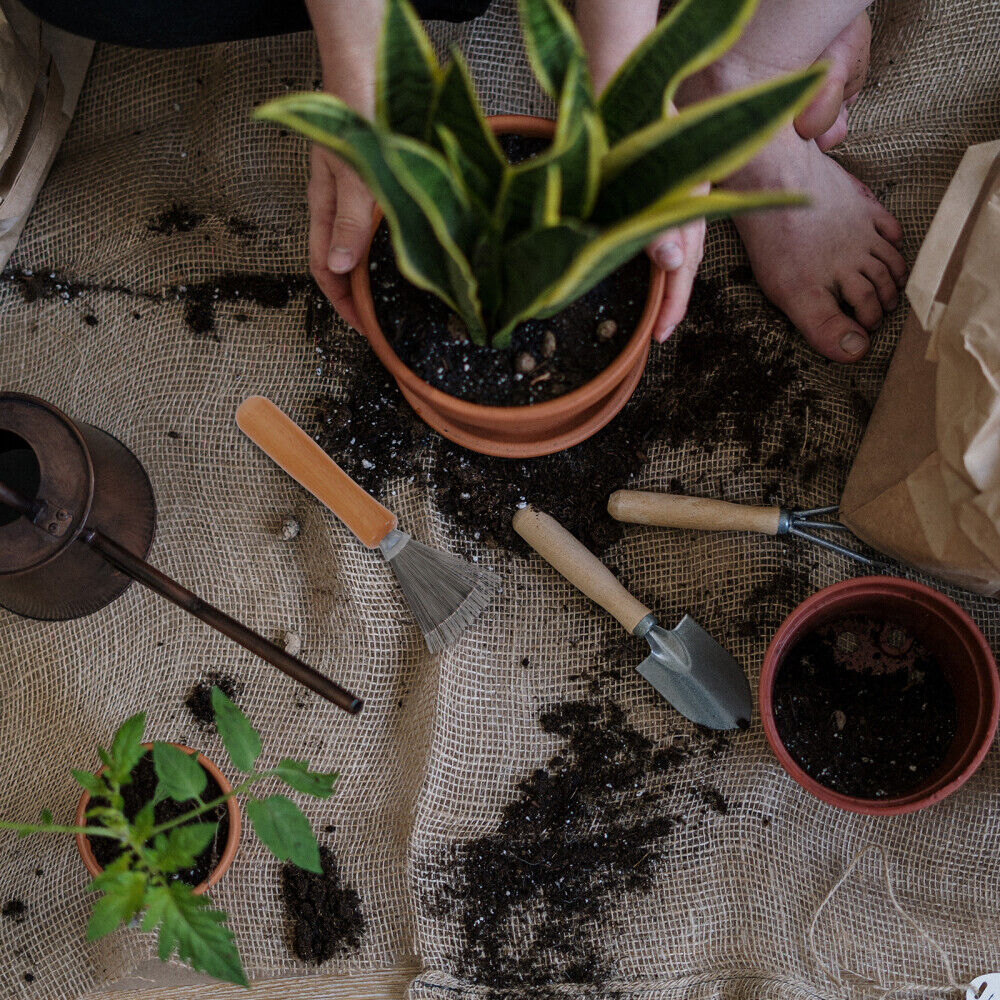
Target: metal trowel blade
(697, 676)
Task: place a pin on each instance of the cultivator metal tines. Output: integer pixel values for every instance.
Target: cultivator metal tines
(672, 511)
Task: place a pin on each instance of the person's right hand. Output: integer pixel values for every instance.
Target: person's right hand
(340, 206)
(340, 218)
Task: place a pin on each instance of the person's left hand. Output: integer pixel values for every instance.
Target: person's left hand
(610, 30)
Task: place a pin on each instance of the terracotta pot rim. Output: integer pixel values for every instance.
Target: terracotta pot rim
(452, 409)
(982, 664)
(232, 840)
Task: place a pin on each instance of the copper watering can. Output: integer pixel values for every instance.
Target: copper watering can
(77, 517)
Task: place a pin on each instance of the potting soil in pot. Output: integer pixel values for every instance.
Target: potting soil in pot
(864, 708)
(139, 792)
(546, 358)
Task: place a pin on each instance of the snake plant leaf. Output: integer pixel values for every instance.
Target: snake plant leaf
(457, 109)
(327, 120)
(424, 175)
(407, 75)
(476, 184)
(693, 35)
(551, 42)
(529, 265)
(619, 243)
(703, 143)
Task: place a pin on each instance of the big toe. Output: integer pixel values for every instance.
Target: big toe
(818, 316)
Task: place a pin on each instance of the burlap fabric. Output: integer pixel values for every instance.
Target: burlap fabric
(444, 742)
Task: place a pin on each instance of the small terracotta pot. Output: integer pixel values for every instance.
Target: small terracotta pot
(232, 841)
(947, 632)
(517, 431)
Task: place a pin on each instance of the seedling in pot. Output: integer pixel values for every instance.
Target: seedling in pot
(142, 881)
(501, 243)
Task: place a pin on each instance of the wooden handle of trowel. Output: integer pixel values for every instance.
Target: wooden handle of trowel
(579, 565)
(288, 445)
(668, 510)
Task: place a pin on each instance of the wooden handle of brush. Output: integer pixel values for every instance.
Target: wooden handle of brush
(579, 565)
(285, 443)
(667, 510)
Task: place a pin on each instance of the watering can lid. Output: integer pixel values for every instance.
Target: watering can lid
(66, 481)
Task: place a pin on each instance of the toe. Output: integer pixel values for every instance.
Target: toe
(892, 258)
(859, 293)
(825, 326)
(822, 113)
(836, 134)
(888, 228)
(885, 284)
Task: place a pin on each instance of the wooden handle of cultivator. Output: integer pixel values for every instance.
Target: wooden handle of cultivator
(579, 565)
(285, 443)
(667, 510)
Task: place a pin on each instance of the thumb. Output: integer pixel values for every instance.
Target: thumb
(352, 222)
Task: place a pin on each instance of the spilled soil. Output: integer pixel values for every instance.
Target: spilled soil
(324, 915)
(198, 700)
(724, 380)
(141, 791)
(865, 708)
(175, 219)
(531, 899)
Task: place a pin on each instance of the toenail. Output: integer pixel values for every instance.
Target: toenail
(853, 343)
(670, 256)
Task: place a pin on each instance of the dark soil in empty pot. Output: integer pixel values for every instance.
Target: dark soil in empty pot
(864, 708)
(546, 358)
(139, 792)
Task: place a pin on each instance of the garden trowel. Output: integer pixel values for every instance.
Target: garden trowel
(686, 665)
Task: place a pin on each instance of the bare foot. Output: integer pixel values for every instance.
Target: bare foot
(825, 120)
(841, 251)
(834, 268)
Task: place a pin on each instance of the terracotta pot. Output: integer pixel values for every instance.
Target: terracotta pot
(947, 631)
(232, 841)
(517, 431)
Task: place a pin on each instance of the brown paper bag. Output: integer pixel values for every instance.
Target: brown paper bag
(41, 75)
(925, 486)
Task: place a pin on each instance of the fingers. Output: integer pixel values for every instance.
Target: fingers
(679, 253)
(337, 204)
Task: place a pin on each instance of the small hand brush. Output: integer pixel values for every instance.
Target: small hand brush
(446, 593)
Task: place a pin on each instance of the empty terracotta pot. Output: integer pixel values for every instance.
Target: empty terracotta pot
(947, 632)
(517, 431)
(232, 841)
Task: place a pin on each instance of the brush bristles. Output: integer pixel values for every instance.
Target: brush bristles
(446, 593)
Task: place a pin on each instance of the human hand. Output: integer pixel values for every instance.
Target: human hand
(610, 31)
(340, 205)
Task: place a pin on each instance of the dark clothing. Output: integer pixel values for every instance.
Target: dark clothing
(171, 24)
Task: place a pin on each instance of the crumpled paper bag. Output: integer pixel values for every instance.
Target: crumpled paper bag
(925, 486)
(41, 75)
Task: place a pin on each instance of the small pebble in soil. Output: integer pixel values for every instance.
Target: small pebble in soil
(293, 643)
(606, 329)
(290, 528)
(525, 363)
(549, 344)
(15, 910)
(865, 708)
(325, 915)
(199, 698)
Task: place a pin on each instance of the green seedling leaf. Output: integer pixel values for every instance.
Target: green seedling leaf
(297, 775)
(407, 74)
(181, 777)
(46, 818)
(240, 739)
(142, 825)
(92, 783)
(186, 924)
(180, 847)
(285, 831)
(693, 35)
(126, 749)
(122, 900)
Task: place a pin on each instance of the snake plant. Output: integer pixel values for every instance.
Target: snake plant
(500, 243)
